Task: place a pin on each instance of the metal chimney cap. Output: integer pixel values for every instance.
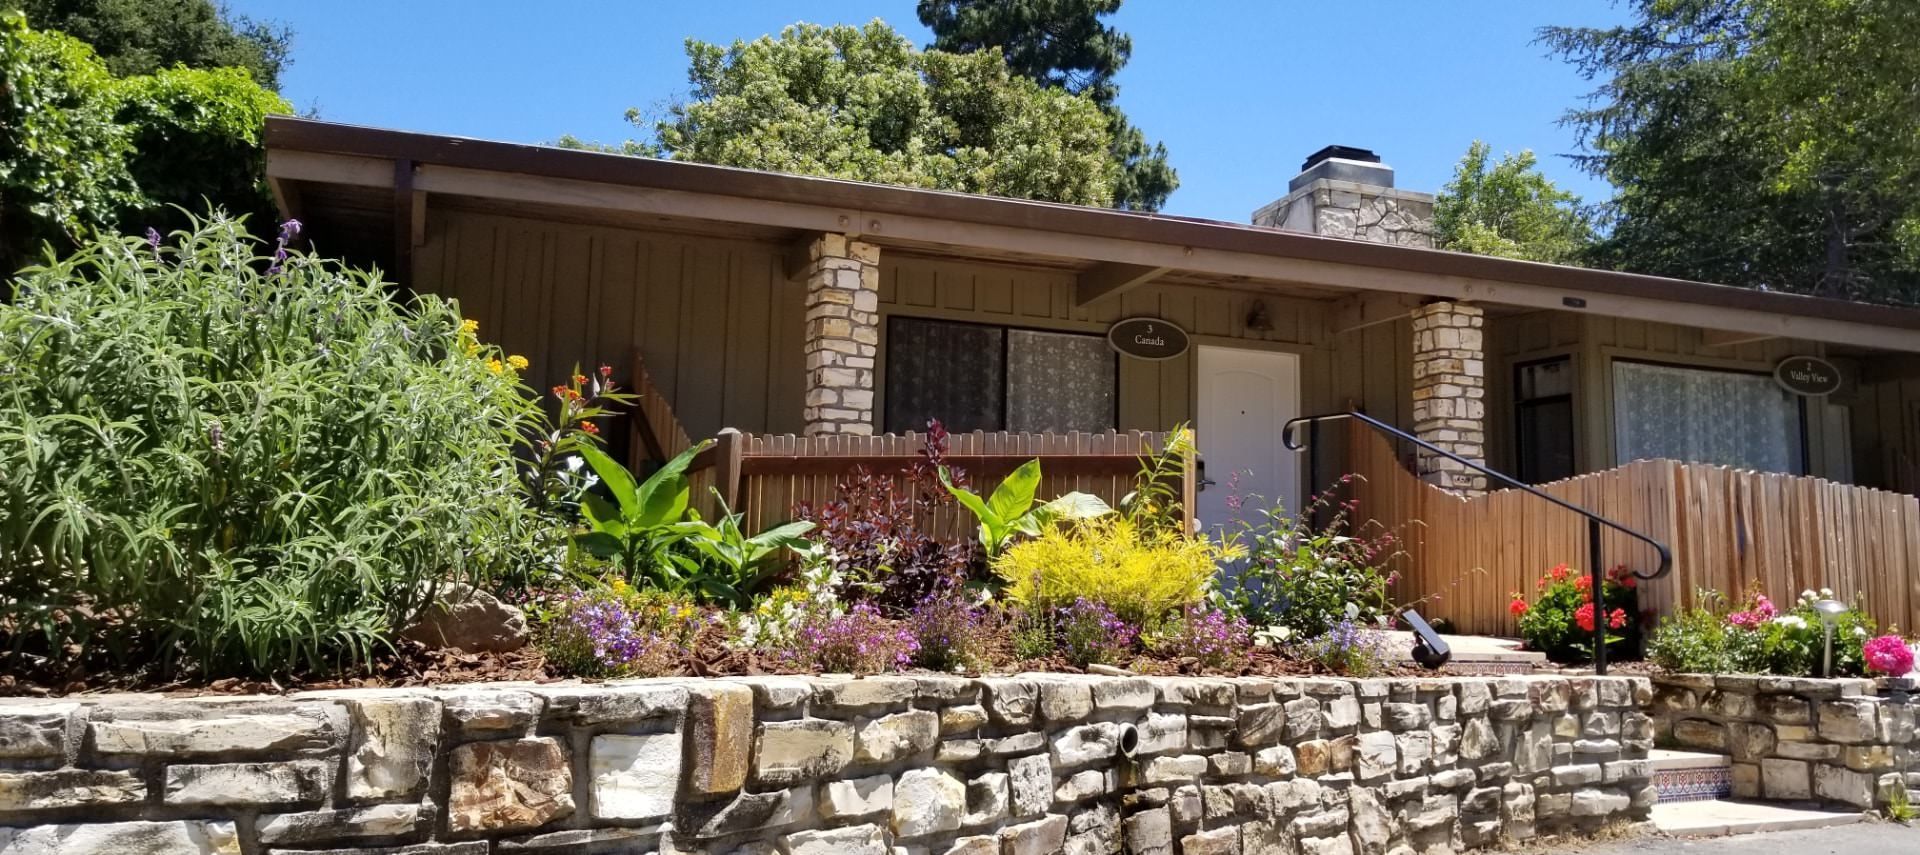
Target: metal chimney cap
(1344, 152)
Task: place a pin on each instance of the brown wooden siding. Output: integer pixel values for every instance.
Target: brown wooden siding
(716, 320)
(1886, 424)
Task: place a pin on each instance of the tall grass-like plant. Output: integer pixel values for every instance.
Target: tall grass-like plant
(241, 460)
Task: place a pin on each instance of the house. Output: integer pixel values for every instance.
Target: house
(778, 304)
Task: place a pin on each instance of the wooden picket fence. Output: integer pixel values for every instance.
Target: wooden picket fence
(764, 478)
(1728, 529)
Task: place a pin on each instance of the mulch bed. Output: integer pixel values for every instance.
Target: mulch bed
(413, 664)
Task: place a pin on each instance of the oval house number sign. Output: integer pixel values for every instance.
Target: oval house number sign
(1147, 338)
(1807, 375)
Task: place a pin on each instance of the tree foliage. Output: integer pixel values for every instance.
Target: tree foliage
(82, 150)
(862, 103)
(1766, 143)
(136, 37)
(1509, 209)
(1062, 44)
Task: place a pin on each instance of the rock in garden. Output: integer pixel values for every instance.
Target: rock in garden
(469, 619)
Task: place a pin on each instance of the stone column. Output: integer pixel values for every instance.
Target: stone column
(843, 335)
(1450, 393)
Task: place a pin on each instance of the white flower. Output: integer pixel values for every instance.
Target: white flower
(1826, 593)
(1808, 595)
(1859, 632)
(1791, 621)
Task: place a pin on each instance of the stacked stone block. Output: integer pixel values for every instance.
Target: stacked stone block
(898, 765)
(842, 277)
(1450, 392)
(1348, 209)
(1795, 739)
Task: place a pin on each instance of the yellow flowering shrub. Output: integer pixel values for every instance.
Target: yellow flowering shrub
(1140, 574)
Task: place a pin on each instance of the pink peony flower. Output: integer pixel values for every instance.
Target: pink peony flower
(1889, 655)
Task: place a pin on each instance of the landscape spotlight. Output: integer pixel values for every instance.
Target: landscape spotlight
(1830, 610)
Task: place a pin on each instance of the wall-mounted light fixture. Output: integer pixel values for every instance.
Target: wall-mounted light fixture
(1257, 318)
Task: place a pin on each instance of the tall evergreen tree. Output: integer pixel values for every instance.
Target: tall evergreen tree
(1765, 143)
(1063, 44)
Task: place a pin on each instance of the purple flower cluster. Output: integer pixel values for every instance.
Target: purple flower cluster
(862, 641)
(1348, 649)
(1212, 637)
(595, 633)
(1089, 632)
(289, 230)
(951, 632)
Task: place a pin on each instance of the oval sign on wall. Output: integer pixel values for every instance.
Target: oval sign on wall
(1147, 338)
(1807, 375)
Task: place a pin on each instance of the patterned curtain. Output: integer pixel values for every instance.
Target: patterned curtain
(946, 371)
(1059, 382)
(1705, 416)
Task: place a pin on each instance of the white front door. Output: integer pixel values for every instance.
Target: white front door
(1246, 396)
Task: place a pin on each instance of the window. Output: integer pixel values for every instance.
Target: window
(1543, 415)
(979, 377)
(1706, 416)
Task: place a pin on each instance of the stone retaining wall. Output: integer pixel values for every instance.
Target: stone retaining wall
(822, 766)
(1793, 739)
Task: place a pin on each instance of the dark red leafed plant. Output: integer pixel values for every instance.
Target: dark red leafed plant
(875, 532)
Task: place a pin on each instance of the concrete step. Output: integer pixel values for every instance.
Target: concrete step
(1688, 776)
(1722, 818)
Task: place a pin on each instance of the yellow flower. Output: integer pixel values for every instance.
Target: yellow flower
(518, 362)
(469, 326)
(494, 366)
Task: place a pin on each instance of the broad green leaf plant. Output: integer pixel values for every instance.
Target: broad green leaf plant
(1011, 510)
(649, 531)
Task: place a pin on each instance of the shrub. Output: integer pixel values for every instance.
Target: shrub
(1213, 638)
(1140, 575)
(617, 631)
(873, 532)
(1560, 620)
(1087, 633)
(1348, 649)
(1760, 638)
(1299, 581)
(953, 632)
(252, 463)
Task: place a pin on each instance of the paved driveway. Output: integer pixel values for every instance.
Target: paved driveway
(1869, 838)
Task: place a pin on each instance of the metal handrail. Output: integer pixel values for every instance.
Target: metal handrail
(1594, 521)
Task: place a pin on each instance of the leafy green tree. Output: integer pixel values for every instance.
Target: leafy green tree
(1766, 143)
(1062, 44)
(137, 37)
(862, 103)
(63, 155)
(81, 150)
(1509, 209)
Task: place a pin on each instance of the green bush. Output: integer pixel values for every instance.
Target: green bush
(1761, 638)
(240, 463)
(1300, 581)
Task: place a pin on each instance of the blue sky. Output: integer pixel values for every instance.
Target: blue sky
(1239, 90)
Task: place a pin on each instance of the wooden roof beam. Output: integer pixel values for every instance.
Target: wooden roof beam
(1370, 308)
(1109, 278)
(1727, 338)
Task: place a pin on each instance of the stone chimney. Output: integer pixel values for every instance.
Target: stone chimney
(1347, 192)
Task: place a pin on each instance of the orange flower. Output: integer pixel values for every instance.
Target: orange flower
(590, 428)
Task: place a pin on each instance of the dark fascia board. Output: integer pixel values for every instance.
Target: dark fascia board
(297, 134)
